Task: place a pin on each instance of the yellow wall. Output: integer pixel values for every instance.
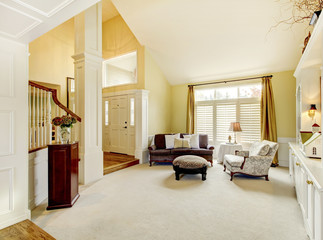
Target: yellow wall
(50, 58)
(284, 87)
(179, 108)
(160, 98)
(117, 39)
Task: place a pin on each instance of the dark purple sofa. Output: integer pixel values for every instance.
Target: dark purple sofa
(159, 153)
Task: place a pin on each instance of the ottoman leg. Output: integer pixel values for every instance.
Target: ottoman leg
(203, 176)
(204, 173)
(177, 175)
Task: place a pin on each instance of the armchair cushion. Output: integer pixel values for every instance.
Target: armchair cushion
(233, 160)
(242, 153)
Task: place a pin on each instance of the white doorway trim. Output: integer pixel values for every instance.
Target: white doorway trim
(141, 119)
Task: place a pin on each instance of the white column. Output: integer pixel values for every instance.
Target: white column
(88, 79)
(141, 101)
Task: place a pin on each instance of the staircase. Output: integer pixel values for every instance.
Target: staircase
(41, 102)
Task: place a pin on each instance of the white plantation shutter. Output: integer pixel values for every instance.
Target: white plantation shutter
(217, 107)
(204, 120)
(250, 122)
(224, 115)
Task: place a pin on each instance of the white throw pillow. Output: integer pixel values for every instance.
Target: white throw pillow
(194, 140)
(170, 139)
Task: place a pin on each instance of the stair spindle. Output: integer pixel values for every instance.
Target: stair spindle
(34, 119)
(49, 118)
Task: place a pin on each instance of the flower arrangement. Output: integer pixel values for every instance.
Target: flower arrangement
(64, 121)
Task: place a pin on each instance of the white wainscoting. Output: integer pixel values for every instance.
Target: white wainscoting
(38, 177)
(283, 151)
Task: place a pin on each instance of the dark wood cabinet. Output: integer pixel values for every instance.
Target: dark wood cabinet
(63, 160)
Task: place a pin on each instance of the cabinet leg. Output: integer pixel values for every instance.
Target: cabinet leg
(266, 177)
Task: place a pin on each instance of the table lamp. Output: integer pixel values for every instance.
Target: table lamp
(235, 127)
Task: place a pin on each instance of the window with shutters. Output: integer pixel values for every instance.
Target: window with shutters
(204, 120)
(216, 108)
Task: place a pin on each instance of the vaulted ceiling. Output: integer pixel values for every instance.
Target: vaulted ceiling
(204, 40)
(190, 40)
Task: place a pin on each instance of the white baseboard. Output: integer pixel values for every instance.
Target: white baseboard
(15, 220)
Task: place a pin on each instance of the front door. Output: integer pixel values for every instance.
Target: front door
(119, 124)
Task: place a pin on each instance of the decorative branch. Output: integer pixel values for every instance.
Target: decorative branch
(302, 10)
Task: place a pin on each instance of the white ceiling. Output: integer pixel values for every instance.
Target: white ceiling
(205, 40)
(25, 20)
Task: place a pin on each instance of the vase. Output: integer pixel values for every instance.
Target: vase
(65, 134)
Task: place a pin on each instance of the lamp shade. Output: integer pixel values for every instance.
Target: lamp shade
(235, 127)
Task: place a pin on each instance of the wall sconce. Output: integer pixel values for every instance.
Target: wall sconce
(311, 111)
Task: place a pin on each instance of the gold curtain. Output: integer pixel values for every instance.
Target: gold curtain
(268, 115)
(190, 110)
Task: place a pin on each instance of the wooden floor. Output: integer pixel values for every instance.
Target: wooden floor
(115, 161)
(25, 230)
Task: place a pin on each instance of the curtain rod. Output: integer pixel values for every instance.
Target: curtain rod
(235, 80)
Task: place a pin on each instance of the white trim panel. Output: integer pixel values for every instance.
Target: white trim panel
(21, 22)
(6, 190)
(283, 151)
(50, 11)
(6, 72)
(7, 133)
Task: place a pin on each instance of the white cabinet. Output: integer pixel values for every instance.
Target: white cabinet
(307, 176)
(318, 214)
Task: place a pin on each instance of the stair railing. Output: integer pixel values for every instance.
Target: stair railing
(40, 115)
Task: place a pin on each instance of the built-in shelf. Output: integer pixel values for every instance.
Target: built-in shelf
(312, 56)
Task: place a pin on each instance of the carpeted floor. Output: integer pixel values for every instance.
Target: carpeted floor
(143, 202)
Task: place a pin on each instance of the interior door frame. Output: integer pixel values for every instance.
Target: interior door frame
(130, 132)
(141, 120)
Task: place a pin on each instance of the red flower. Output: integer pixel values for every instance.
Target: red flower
(57, 121)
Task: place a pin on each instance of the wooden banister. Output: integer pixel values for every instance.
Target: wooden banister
(56, 101)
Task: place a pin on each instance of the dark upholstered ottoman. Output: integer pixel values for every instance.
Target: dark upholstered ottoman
(190, 164)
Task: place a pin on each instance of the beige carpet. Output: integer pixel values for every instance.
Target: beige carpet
(143, 202)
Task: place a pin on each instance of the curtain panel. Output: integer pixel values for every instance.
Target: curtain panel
(190, 110)
(268, 115)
